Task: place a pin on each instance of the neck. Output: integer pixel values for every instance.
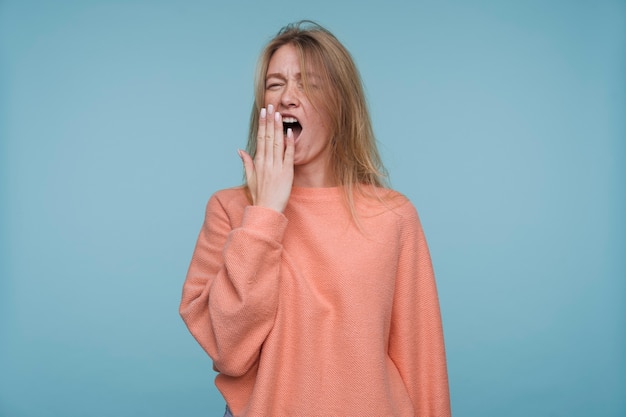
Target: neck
(313, 178)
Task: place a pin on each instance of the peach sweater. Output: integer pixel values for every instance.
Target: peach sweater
(304, 314)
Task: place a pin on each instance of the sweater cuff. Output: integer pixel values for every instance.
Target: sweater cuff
(265, 221)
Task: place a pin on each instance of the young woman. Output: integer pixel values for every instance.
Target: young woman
(311, 286)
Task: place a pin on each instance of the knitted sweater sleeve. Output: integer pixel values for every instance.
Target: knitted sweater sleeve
(230, 294)
(416, 342)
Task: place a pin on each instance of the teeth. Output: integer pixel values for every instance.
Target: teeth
(290, 120)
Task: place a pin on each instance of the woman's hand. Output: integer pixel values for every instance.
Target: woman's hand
(270, 175)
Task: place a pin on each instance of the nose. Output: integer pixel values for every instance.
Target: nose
(290, 96)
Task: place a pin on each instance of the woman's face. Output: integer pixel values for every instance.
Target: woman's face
(285, 91)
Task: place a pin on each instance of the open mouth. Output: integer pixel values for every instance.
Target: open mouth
(293, 124)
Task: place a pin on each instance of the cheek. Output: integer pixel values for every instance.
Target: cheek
(270, 99)
(322, 116)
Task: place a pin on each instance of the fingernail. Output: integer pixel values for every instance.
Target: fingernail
(270, 109)
(277, 116)
(239, 153)
(263, 113)
(289, 133)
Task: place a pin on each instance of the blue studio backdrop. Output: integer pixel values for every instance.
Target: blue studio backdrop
(503, 121)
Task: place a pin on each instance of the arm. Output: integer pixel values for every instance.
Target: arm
(230, 294)
(416, 339)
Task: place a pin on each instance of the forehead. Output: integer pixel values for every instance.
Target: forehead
(286, 61)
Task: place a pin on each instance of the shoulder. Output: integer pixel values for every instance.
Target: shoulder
(228, 200)
(230, 194)
(409, 226)
(406, 212)
(388, 201)
(387, 212)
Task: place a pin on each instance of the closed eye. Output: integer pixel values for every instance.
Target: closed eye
(273, 86)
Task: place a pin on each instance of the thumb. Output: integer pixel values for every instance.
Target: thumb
(248, 164)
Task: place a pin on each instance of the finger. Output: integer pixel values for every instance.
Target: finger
(279, 144)
(269, 135)
(260, 137)
(248, 164)
(290, 149)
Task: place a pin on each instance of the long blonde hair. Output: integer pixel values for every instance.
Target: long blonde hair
(355, 160)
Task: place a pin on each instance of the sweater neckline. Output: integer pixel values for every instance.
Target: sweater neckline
(317, 193)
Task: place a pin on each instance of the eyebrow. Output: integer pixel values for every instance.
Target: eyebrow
(276, 75)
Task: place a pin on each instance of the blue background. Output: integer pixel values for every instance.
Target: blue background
(503, 121)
